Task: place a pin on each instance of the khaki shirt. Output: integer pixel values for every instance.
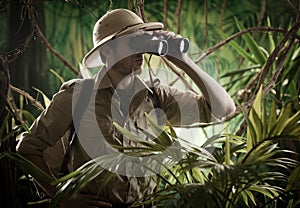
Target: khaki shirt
(96, 133)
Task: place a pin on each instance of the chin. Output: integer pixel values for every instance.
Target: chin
(137, 71)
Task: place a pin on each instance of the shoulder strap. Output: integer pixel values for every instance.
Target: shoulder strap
(154, 98)
(156, 104)
(80, 107)
(82, 101)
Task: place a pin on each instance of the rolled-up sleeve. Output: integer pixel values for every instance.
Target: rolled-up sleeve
(184, 108)
(50, 126)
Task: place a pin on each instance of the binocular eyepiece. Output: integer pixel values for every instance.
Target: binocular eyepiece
(147, 43)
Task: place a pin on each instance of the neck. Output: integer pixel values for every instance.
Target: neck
(118, 79)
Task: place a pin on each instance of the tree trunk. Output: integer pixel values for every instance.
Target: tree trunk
(30, 69)
(7, 167)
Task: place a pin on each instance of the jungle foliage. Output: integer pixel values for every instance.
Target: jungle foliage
(251, 47)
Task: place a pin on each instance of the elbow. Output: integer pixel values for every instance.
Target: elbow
(230, 107)
(224, 109)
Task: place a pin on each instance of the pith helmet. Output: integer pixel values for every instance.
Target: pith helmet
(115, 23)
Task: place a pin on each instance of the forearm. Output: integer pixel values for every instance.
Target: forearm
(219, 100)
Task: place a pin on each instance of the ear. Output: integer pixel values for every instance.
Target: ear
(105, 52)
(106, 49)
(103, 59)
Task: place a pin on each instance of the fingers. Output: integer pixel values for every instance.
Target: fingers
(164, 43)
(177, 45)
(166, 34)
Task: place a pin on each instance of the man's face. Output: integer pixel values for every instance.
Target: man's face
(130, 64)
(124, 63)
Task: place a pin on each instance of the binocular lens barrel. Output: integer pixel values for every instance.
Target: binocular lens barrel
(184, 45)
(180, 44)
(148, 44)
(159, 47)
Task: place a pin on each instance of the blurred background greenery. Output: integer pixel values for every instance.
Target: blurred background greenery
(67, 25)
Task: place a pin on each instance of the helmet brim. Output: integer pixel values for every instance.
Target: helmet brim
(93, 59)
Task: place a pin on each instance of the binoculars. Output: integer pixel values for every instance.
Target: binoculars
(147, 43)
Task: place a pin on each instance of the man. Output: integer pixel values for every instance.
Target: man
(120, 96)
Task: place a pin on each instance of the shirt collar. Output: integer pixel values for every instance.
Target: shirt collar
(103, 81)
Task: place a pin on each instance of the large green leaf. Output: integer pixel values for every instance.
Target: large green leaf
(28, 167)
(255, 126)
(281, 121)
(227, 148)
(253, 46)
(271, 37)
(239, 72)
(291, 124)
(243, 52)
(60, 78)
(272, 117)
(47, 101)
(294, 180)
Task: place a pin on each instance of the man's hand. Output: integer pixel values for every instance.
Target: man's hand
(220, 102)
(85, 201)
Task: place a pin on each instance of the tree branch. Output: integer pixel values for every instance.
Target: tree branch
(7, 103)
(221, 29)
(32, 17)
(177, 14)
(267, 66)
(261, 12)
(130, 4)
(54, 52)
(248, 103)
(279, 68)
(180, 75)
(12, 55)
(141, 10)
(265, 69)
(227, 40)
(206, 22)
(28, 96)
(165, 13)
(13, 107)
(293, 7)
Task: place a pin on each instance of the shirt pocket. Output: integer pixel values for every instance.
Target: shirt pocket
(97, 138)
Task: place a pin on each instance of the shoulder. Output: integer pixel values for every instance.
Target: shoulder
(66, 91)
(76, 84)
(70, 83)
